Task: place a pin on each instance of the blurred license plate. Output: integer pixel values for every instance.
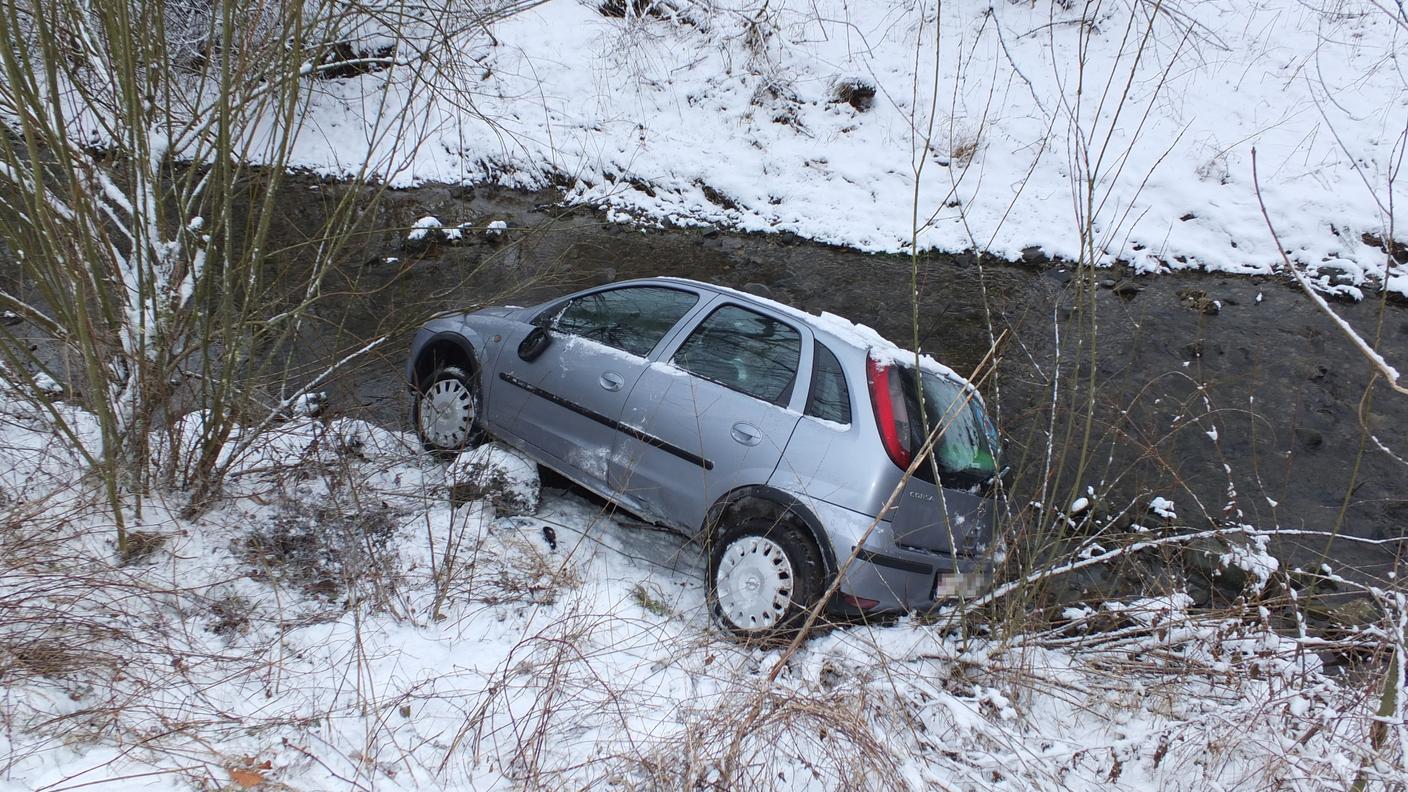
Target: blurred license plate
(952, 585)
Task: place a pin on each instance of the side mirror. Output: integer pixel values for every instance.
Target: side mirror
(533, 344)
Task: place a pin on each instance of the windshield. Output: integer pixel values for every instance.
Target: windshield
(967, 451)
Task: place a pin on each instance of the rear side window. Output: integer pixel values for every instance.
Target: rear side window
(829, 398)
(744, 350)
(633, 319)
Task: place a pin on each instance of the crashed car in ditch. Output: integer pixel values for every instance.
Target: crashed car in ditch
(778, 437)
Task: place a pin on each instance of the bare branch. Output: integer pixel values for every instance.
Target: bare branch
(1389, 373)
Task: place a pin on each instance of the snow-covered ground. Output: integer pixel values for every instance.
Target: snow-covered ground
(1016, 121)
(346, 618)
(352, 613)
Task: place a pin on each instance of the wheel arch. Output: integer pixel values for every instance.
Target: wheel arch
(442, 348)
(761, 500)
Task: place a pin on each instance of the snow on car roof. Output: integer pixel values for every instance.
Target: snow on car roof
(839, 328)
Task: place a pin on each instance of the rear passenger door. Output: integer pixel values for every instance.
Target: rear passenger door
(714, 415)
(567, 400)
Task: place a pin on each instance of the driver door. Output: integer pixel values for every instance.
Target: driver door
(568, 399)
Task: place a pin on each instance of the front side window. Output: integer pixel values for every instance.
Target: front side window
(744, 350)
(633, 319)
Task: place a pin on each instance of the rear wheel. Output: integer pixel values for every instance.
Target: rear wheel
(447, 410)
(764, 575)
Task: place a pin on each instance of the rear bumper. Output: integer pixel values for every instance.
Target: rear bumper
(898, 579)
(889, 573)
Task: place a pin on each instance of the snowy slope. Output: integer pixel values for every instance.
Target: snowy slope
(727, 114)
(339, 623)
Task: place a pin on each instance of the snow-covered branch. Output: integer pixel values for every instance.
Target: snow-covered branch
(1389, 373)
(282, 408)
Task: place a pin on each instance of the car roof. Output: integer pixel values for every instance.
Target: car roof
(821, 325)
(825, 326)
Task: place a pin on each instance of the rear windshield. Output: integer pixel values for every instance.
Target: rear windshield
(967, 451)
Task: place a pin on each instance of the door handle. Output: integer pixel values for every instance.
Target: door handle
(747, 434)
(612, 381)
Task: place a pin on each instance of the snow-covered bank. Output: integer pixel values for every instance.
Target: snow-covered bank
(715, 113)
(339, 623)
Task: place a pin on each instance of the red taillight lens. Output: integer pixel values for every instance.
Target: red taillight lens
(882, 399)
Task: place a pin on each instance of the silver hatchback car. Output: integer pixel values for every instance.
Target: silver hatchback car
(776, 436)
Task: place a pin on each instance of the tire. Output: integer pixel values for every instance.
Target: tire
(758, 555)
(446, 410)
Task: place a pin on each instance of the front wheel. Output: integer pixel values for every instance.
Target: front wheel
(447, 410)
(764, 575)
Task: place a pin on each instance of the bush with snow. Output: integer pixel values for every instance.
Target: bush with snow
(322, 550)
(498, 474)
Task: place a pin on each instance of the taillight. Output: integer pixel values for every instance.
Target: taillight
(882, 398)
(859, 603)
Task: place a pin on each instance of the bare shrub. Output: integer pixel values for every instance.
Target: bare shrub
(824, 737)
(143, 229)
(325, 551)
